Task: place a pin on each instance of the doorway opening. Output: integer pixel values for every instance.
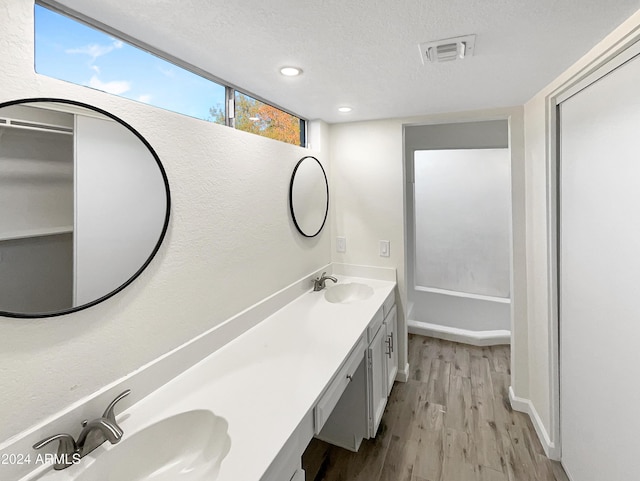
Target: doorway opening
(458, 231)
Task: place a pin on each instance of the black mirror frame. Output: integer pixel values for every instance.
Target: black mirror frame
(326, 183)
(166, 217)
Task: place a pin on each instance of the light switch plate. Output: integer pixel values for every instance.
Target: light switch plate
(385, 248)
(341, 244)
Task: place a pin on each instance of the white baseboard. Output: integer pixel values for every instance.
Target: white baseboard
(526, 406)
(403, 374)
(475, 338)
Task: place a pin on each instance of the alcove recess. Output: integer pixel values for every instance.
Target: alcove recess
(36, 209)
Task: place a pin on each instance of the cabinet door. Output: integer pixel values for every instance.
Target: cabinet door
(349, 421)
(377, 377)
(391, 348)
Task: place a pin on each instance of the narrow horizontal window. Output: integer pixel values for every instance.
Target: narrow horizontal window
(257, 117)
(69, 50)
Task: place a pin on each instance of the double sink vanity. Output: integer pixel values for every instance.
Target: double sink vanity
(238, 403)
(321, 365)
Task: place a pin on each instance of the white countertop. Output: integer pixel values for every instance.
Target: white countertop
(263, 382)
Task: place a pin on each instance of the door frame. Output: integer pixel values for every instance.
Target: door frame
(478, 139)
(611, 58)
(517, 255)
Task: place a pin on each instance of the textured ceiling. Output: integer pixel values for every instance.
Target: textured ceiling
(364, 53)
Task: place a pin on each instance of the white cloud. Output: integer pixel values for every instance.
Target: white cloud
(117, 87)
(96, 69)
(167, 72)
(95, 50)
(146, 98)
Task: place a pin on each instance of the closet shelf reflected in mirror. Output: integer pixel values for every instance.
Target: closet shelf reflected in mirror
(9, 123)
(25, 234)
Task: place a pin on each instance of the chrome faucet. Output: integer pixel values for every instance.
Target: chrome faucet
(318, 283)
(93, 434)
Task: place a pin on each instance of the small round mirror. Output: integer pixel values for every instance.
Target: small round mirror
(309, 196)
(84, 206)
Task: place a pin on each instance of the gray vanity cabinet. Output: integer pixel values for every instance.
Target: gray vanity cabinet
(377, 379)
(382, 357)
(391, 349)
(358, 413)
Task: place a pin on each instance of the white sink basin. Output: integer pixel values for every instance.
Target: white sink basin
(189, 446)
(348, 293)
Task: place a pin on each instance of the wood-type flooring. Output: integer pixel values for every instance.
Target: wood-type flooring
(452, 421)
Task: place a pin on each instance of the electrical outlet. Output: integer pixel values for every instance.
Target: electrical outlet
(385, 248)
(341, 244)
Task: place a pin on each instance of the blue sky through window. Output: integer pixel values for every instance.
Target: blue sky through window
(69, 50)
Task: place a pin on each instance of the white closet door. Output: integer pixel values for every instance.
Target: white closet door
(119, 189)
(600, 278)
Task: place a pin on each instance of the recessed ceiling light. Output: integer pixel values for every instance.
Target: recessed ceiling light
(344, 109)
(290, 71)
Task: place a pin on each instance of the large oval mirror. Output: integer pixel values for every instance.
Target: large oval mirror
(309, 196)
(84, 206)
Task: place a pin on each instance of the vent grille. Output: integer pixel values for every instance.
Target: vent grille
(447, 50)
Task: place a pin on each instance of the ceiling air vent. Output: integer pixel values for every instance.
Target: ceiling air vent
(457, 48)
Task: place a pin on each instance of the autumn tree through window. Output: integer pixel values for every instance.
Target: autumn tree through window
(252, 115)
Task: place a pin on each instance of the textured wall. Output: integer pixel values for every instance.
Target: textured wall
(230, 243)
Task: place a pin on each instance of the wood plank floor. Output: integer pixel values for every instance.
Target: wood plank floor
(452, 421)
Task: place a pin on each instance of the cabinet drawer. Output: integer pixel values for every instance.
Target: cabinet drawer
(375, 324)
(332, 394)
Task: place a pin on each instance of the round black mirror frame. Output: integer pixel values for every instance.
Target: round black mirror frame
(166, 217)
(326, 183)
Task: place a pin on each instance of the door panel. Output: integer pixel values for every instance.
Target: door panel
(376, 357)
(109, 203)
(391, 348)
(599, 278)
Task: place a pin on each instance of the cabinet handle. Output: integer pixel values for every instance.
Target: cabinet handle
(392, 343)
(389, 341)
(349, 377)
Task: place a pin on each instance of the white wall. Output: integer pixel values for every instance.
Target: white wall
(367, 185)
(540, 368)
(230, 243)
